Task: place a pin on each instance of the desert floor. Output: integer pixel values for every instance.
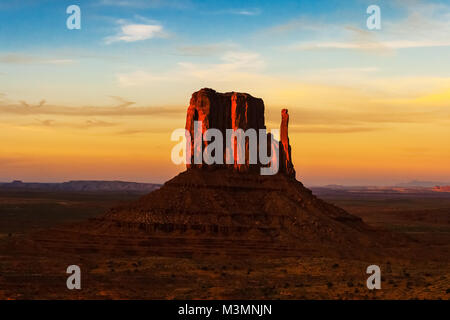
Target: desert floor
(29, 272)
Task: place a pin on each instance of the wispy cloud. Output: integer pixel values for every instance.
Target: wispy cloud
(130, 32)
(332, 129)
(87, 124)
(205, 49)
(384, 117)
(232, 62)
(232, 65)
(424, 25)
(246, 12)
(373, 45)
(147, 130)
(123, 102)
(356, 118)
(236, 11)
(140, 78)
(122, 110)
(26, 105)
(17, 58)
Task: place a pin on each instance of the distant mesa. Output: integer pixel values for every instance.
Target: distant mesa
(81, 186)
(441, 189)
(426, 184)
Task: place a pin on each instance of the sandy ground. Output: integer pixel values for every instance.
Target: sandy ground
(419, 272)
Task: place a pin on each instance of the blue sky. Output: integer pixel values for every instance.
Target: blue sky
(30, 24)
(283, 34)
(285, 38)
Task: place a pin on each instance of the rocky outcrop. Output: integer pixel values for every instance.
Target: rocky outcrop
(222, 111)
(230, 205)
(286, 165)
(233, 110)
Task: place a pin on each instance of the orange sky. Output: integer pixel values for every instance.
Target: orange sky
(338, 135)
(366, 106)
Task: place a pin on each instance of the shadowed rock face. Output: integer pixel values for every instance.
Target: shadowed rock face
(226, 212)
(234, 110)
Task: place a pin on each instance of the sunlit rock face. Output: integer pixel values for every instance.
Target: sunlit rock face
(286, 165)
(234, 110)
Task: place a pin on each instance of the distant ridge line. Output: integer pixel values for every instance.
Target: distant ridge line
(82, 186)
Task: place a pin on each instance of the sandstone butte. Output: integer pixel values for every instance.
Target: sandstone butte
(231, 209)
(235, 110)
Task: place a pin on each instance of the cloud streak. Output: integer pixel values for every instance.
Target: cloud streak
(425, 25)
(23, 108)
(206, 49)
(130, 32)
(232, 65)
(245, 12)
(350, 121)
(87, 124)
(331, 129)
(17, 58)
(373, 46)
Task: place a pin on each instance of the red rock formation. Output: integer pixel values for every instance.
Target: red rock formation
(232, 110)
(222, 111)
(286, 165)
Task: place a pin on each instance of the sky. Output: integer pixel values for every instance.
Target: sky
(367, 107)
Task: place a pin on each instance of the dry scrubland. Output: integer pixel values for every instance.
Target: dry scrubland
(29, 272)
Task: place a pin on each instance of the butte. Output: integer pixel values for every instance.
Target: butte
(227, 209)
